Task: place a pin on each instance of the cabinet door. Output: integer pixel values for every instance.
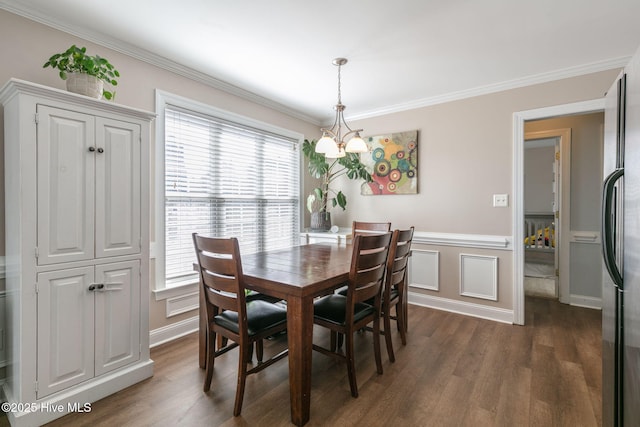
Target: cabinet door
(117, 315)
(65, 329)
(117, 188)
(65, 182)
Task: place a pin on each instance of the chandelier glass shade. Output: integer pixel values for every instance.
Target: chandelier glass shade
(335, 141)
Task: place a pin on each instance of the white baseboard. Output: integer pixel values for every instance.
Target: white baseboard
(76, 397)
(461, 307)
(173, 331)
(586, 302)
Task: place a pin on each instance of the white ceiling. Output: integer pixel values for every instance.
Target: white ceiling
(402, 54)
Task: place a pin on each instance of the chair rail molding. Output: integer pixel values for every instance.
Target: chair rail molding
(479, 241)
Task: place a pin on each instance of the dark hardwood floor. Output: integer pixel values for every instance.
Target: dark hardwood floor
(455, 371)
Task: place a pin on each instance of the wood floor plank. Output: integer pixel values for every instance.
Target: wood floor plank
(454, 371)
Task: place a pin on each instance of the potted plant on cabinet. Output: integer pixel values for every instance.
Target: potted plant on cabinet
(85, 74)
(324, 197)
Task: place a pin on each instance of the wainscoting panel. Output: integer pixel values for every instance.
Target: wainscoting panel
(182, 304)
(479, 276)
(424, 269)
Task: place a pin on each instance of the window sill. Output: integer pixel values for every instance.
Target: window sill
(175, 291)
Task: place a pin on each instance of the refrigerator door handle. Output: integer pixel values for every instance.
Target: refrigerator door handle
(608, 235)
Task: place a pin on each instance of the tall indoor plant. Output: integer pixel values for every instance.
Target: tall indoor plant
(84, 73)
(325, 197)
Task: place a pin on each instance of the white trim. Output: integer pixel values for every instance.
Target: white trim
(478, 280)
(586, 302)
(579, 70)
(179, 69)
(585, 237)
(15, 86)
(175, 291)
(143, 55)
(463, 240)
(86, 392)
(430, 260)
(182, 304)
(173, 331)
(518, 186)
(163, 99)
(462, 307)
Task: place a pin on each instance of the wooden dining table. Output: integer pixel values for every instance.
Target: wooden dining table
(297, 274)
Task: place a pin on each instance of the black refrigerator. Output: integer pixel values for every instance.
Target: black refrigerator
(621, 251)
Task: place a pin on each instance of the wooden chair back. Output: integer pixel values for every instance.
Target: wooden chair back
(359, 227)
(220, 269)
(366, 276)
(398, 260)
(224, 298)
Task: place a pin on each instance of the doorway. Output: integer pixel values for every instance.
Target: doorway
(542, 184)
(518, 230)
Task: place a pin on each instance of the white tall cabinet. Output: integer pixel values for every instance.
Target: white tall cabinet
(77, 249)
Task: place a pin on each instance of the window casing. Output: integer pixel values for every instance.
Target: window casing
(224, 176)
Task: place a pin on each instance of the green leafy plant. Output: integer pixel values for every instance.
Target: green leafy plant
(324, 197)
(76, 60)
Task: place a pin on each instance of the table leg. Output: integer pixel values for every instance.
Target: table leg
(300, 337)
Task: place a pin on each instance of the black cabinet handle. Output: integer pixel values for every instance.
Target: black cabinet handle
(100, 150)
(92, 149)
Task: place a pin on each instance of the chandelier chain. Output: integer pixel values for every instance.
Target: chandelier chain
(333, 142)
(339, 84)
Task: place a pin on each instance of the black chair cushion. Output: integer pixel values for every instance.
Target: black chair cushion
(333, 308)
(254, 296)
(393, 294)
(261, 315)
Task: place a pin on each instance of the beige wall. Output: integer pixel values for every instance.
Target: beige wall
(465, 156)
(26, 45)
(465, 146)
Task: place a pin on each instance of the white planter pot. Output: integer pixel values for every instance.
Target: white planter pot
(85, 84)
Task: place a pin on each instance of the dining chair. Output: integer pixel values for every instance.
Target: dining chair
(345, 314)
(394, 295)
(360, 227)
(230, 315)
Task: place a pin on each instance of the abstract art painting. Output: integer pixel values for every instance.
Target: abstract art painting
(393, 164)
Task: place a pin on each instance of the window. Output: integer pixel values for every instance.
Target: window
(225, 176)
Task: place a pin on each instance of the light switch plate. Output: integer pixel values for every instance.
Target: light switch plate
(500, 200)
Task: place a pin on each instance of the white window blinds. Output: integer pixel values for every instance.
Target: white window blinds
(226, 179)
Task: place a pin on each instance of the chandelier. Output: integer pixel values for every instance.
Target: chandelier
(333, 142)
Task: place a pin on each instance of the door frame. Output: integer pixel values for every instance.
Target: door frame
(517, 231)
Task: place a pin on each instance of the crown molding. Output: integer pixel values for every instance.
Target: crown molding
(497, 87)
(152, 58)
(15, 7)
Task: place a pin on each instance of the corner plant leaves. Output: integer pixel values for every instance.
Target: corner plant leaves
(320, 168)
